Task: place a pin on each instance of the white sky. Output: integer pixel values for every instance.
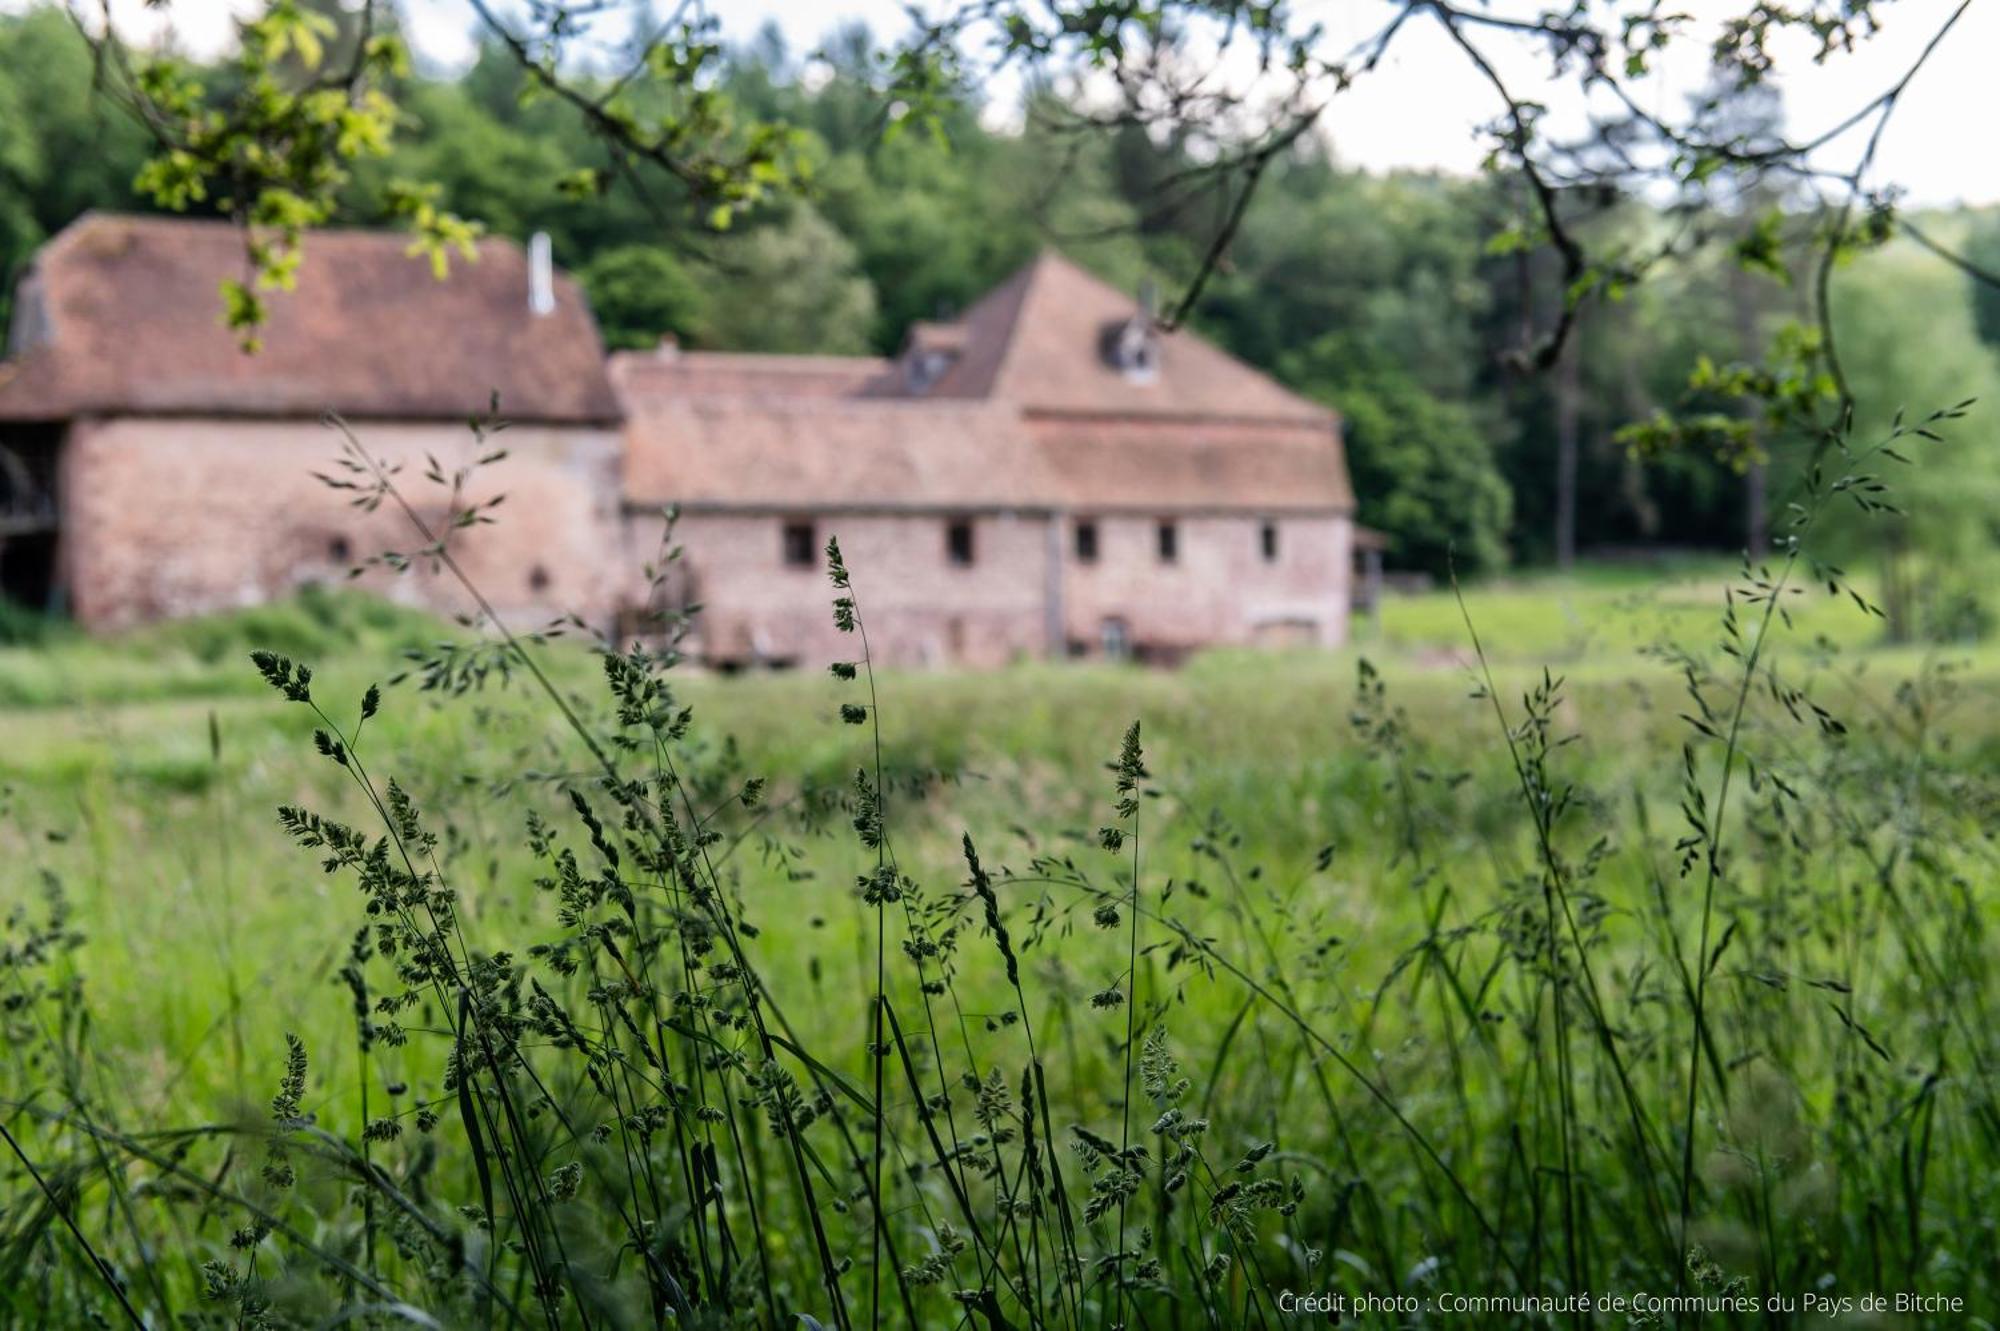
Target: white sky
(1423, 107)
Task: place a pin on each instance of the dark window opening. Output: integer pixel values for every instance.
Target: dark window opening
(28, 570)
(29, 515)
(1267, 537)
(1086, 542)
(801, 545)
(339, 551)
(538, 579)
(1170, 543)
(958, 541)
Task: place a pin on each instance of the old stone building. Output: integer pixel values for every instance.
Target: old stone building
(1051, 474)
(157, 470)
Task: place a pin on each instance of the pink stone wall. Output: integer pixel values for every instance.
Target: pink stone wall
(175, 517)
(920, 609)
(165, 517)
(1219, 590)
(923, 611)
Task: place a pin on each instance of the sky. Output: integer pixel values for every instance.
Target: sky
(1424, 106)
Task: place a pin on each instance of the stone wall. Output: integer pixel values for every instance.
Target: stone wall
(920, 608)
(1025, 594)
(1219, 589)
(166, 517)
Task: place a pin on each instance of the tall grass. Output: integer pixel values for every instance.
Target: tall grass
(776, 1049)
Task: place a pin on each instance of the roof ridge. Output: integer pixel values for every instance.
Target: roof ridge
(886, 404)
(1185, 335)
(97, 217)
(1031, 278)
(1005, 301)
(646, 356)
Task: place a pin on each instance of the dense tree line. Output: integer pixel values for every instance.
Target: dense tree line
(1393, 298)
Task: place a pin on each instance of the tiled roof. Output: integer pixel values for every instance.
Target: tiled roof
(126, 318)
(1028, 414)
(670, 370)
(1035, 341)
(1108, 464)
(771, 453)
(123, 316)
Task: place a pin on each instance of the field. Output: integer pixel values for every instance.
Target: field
(1623, 981)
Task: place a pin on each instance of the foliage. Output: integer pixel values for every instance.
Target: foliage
(277, 134)
(49, 663)
(639, 293)
(1984, 252)
(1429, 474)
(61, 150)
(1907, 328)
(796, 289)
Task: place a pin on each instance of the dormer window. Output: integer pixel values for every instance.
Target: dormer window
(929, 351)
(1132, 347)
(924, 366)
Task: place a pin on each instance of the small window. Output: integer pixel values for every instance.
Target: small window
(926, 367)
(958, 542)
(1086, 541)
(339, 551)
(1267, 540)
(801, 545)
(1114, 639)
(1170, 543)
(538, 579)
(1131, 346)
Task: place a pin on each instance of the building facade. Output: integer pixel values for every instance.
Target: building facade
(1050, 475)
(149, 468)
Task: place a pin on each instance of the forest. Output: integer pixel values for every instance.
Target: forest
(1394, 298)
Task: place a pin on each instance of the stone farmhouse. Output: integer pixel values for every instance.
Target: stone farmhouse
(1050, 474)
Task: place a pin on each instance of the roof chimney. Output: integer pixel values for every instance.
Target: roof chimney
(541, 275)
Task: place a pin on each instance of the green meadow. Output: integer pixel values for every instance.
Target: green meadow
(1422, 970)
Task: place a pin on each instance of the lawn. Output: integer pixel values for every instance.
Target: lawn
(1437, 1031)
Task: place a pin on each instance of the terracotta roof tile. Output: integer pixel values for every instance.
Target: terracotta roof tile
(1035, 341)
(129, 317)
(1028, 415)
(746, 374)
(1128, 463)
(817, 454)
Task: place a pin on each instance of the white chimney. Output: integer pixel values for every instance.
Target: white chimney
(541, 275)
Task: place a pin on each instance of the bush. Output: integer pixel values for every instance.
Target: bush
(1428, 473)
(22, 627)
